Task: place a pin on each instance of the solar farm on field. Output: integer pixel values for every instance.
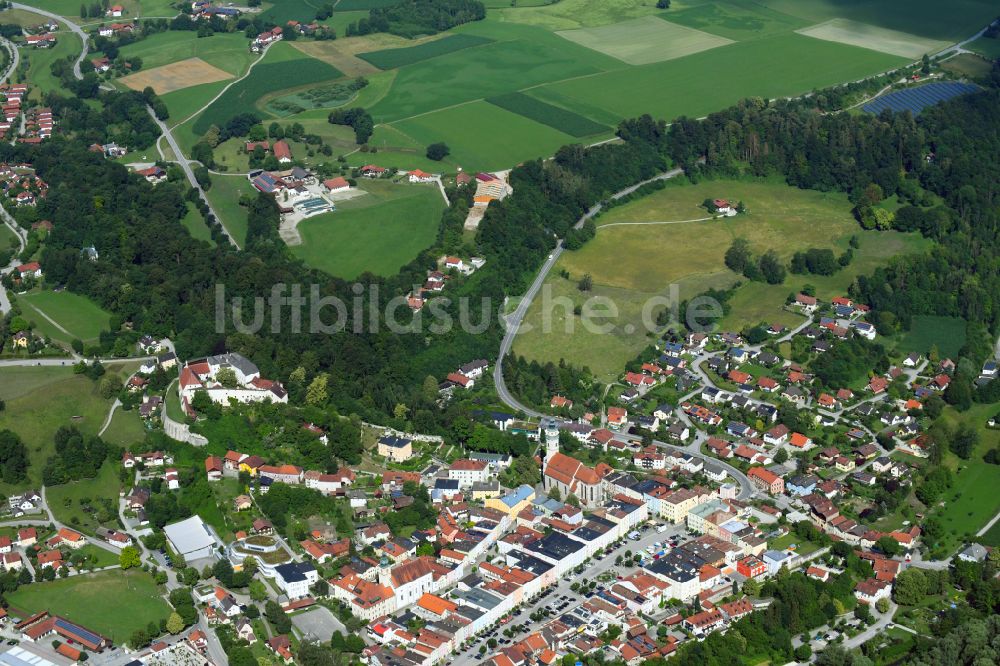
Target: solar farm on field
(393, 58)
(917, 99)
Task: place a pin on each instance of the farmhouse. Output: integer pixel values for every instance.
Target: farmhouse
(338, 184)
(418, 176)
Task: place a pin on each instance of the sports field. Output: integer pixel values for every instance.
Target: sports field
(74, 316)
(633, 264)
(128, 601)
(175, 76)
(873, 37)
(643, 41)
(376, 233)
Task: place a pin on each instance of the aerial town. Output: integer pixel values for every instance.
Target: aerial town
(468, 333)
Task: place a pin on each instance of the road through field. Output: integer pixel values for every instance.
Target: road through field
(72, 26)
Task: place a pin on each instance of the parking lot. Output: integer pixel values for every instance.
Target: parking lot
(560, 598)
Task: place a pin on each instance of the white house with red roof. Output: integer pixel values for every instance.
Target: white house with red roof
(418, 176)
(31, 269)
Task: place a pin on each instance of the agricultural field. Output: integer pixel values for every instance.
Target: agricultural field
(137, 601)
(643, 41)
(64, 315)
(395, 58)
(225, 51)
(175, 76)
(281, 63)
(987, 47)
(555, 117)
(953, 21)
(133, 9)
(867, 36)
(377, 233)
(479, 129)
(677, 261)
(969, 65)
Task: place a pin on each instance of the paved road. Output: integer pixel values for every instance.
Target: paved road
(72, 26)
(185, 164)
(516, 318)
(15, 59)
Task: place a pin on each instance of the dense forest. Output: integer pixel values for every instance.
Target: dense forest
(412, 18)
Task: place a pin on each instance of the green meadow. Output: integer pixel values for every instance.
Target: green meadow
(74, 316)
(375, 233)
(633, 264)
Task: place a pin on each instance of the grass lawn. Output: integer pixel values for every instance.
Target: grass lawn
(100, 558)
(972, 500)
(992, 536)
(67, 500)
(40, 62)
(125, 428)
(969, 65)
(127, 601)
(49, 401)
(802, 546)
(195, 224)
(18, 381)
(7, 238)
(948, 333)
(76, 316)
(376, 233)
(174, 410)
(225, 197)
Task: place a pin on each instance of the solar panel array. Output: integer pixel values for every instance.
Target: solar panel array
(917, 99)
(77, 630)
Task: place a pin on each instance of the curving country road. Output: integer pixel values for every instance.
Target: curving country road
(181, 160)
(185, 165)
(15, 58)
(514, 320)
(72, 26)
